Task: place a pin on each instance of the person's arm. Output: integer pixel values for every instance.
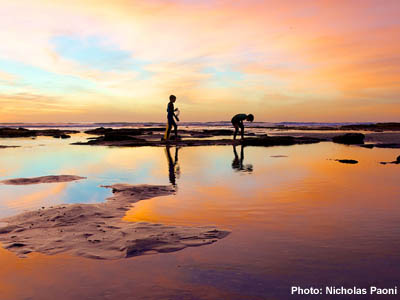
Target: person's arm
(175, 115)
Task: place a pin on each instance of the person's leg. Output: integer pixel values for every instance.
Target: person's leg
(169, 127)
(242, 130)
(173, 124)
(165, 137)
(236, 130)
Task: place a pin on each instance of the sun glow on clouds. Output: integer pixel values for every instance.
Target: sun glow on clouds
(119, 60)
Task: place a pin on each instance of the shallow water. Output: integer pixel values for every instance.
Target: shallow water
(297, 219)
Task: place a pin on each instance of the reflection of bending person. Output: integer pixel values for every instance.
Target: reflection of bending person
(173, 166)
(237, 163)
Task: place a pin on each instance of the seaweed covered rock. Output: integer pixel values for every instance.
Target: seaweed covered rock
(279, 141)
(15, 133)
(23, 132)
(61, 136)
(378, 127)
(397, 161)
(347, 161)
(120, 131)
(99, 131)
(115, 136)
(349, 139)
(216, 132)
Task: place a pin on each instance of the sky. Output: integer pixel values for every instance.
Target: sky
(282, 60)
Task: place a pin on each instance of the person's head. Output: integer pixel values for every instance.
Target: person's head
(172, 98)
(250, 118)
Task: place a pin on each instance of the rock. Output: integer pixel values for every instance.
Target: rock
(121, 131)
(14, 133)
(382, 145)
(349, 139)
(115, 136)
(378, 127)
(22, 132)
(61, 136)
(151, 129)
(200, 135)
(57, 133)
(263, 141)
(347, 161)
(397, 161)
(98, 131)
(279, 141)
(218, 131)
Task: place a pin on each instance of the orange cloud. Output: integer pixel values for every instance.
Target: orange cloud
(319, 54)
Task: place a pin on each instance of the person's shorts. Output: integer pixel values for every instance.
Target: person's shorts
(171, 121)
(236, 124)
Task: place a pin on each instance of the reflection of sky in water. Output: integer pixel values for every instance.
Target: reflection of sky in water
(108, 165)
(49, 156)
(204, 172)
(300, 219)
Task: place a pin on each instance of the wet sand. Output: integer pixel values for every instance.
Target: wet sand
(42, 179)
(98, 231)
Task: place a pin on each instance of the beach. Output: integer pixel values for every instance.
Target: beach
(114, 216)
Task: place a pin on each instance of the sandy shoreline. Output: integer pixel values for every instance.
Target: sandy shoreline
(42, 179)
(98, 231)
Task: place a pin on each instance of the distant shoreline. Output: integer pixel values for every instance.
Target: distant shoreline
(285, 125)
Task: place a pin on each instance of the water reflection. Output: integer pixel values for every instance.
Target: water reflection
(173, 166)
(237, 163)
(301, 221)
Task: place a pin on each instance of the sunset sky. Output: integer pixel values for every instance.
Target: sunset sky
(282, 60)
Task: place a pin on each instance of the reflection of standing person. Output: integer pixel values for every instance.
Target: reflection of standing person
(170, 117)
(237, 122)
(173, 166)
(237, 163)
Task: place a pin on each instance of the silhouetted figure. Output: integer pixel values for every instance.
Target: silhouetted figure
(173, 166)
(237, 163)
(170, 117)
(237, 122)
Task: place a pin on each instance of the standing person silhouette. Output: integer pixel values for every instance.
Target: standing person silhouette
(170, 117)
(237, 122)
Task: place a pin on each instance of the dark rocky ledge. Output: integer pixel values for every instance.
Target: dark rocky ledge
(6, 132)
(117, 138)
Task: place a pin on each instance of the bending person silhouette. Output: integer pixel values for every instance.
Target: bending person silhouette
(170, 117)
(237, 122)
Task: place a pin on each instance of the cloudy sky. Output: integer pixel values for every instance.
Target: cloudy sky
(282, 60)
